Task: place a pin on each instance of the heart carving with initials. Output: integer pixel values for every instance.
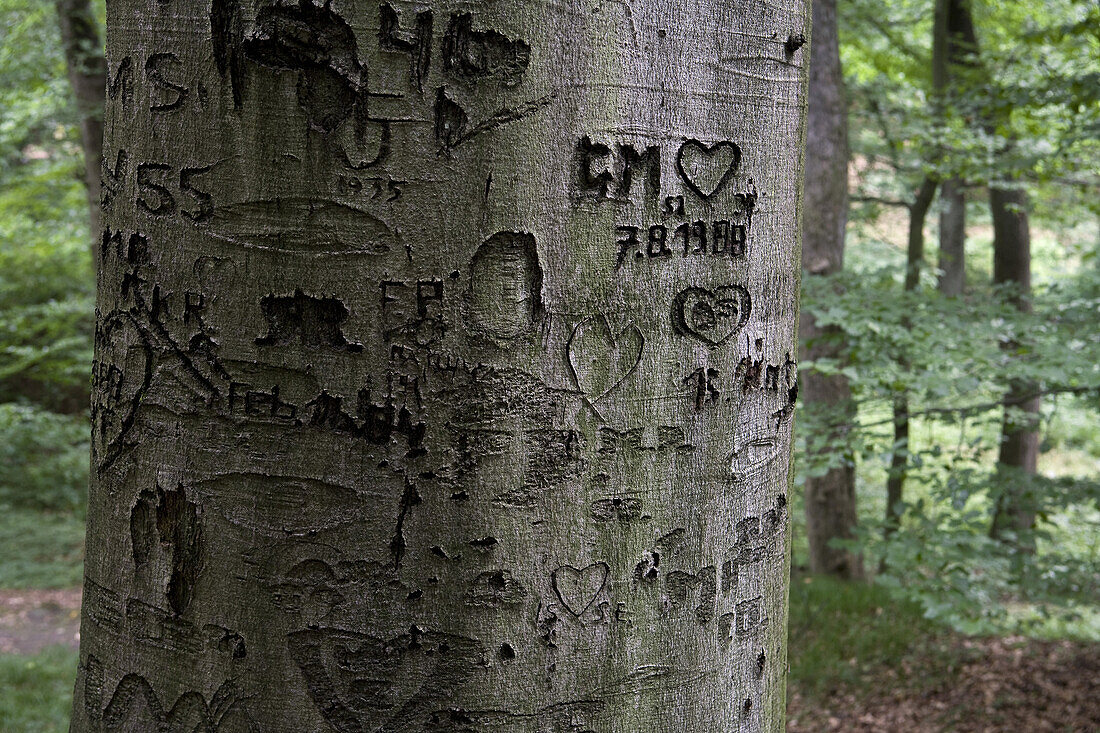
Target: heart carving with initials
(707, 168)
(364, 683)
(578, 588)
(601, 358)
(121, 375)
(711, 316)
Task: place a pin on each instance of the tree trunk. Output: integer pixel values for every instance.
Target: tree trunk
(1019, 432)
(88, 78)
(444, 367)
(899, 459)
(830, 499)
(953, 42)
(952, 258)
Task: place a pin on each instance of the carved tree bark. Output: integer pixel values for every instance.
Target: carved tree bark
(830, 499)
(444, 368)
(87, 76)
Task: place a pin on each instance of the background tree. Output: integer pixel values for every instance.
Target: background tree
(902, 405)
(445, 368)
(1019, 451)
(88, 76)
(953, 43)
(830, 492)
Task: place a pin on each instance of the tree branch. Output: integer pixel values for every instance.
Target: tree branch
(976, 408)
(883, 201)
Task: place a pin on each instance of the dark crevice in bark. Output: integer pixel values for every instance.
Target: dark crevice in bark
(167, 522)
(409, 498)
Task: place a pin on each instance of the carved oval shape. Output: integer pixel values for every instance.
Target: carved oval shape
(290, 506)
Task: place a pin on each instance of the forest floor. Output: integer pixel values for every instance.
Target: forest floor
(940, 682)
(996, 684)
(32, 620)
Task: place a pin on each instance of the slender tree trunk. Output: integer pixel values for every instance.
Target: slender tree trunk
(952, 257)
(88, 77)
(899, 459)
(1019, 433)
(830, 499)
(445, 367)
(953, 42)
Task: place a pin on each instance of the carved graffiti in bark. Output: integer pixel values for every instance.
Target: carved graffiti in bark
(712, 316)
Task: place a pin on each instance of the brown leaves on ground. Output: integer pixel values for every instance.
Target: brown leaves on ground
(1000, 684)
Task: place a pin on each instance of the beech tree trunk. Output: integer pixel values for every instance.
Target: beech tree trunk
(899, 458)
(953, 41)
(952, 256)
(1014, 512)
(87, 76)
(1019, 449)
(831, 498)
(445, 367)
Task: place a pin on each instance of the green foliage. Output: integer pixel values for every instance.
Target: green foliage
(46, 288)
(944, 559)
(955, 358)
(38, 691)
(843, 634)
(40, 549)
(34, 94)
(958, 351)
(43, 459)
(46, 279)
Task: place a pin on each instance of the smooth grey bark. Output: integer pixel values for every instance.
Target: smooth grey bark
(445, 367)
(830, 499)
(87, 77)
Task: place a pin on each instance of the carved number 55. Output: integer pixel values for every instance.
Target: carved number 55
(156, 198)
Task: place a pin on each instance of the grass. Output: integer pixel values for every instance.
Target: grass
(851, 635)
(40, 549)
(37, 691)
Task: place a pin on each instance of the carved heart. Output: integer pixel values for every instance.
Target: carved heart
(577, 589)
(707, 169)
(121, 373)
(362, 683)
(712, 316)
(601, 359)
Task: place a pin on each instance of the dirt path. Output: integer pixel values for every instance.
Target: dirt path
(33, 619)
(1012, 684)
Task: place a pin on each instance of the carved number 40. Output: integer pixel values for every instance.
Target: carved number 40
(156, 198)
